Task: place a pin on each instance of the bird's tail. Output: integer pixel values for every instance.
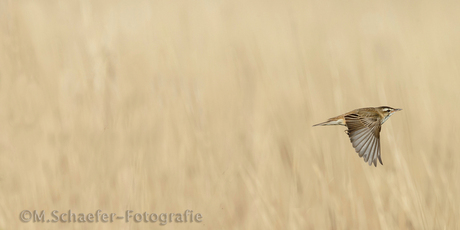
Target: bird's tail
(332, 121)
(326, 123)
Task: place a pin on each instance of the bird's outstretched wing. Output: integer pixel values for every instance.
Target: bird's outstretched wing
(364, 133)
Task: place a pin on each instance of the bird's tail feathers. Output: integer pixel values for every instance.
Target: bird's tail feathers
(339, 120)
(327, 123)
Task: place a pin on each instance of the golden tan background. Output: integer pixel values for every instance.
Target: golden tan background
(163, 106)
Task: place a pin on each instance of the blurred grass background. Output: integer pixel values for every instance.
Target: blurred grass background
(163, 106)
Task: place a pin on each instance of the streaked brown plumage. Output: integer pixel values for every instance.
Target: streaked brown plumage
(364, 127)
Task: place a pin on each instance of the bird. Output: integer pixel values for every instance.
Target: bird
(364, 127)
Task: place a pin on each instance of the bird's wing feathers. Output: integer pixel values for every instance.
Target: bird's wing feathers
(364, 133)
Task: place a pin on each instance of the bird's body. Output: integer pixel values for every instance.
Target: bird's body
(364, 127)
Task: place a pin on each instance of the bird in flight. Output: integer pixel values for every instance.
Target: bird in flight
(364, 130)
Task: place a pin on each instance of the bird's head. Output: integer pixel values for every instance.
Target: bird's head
(387, 112)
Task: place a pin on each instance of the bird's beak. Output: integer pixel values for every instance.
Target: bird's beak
(396, 110)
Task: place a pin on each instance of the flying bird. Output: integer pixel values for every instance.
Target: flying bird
(364, 130)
